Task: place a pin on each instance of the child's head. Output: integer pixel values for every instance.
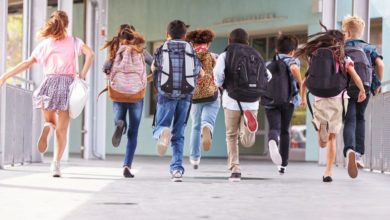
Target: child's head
(200, 36)
(333, 39)
(177, 30)
(130, 37)
(238, 36)
(286, 44)
(353, 27)
(56, 26)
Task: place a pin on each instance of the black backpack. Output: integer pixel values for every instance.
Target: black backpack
(245, 73)
(363, 67)
(322, 78)
(280, 87)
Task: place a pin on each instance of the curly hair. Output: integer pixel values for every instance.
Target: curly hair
(200, 36)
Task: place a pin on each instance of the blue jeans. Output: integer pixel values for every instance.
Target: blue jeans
(354, 126)
(135, 112)
(168, 111)
(202, 114)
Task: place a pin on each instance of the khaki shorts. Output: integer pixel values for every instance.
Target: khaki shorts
(329, 111)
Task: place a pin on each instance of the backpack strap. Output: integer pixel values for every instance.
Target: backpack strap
(188, 113)
(309, 104)
(165, 58)
(343, 103)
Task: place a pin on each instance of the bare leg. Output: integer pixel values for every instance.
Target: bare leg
(61, 134)
(50, 117)
(331, 155)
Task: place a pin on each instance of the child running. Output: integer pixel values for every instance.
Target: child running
(57, 53)
(371, 72)
(127, 88)
(176, 68)
(206, 100)
(281, 99)
(241, 72)
(327, 80)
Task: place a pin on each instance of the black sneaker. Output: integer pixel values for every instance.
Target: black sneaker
(282, 170)
(235, 177)
(127, 173)
(327, 179)
(117, 136)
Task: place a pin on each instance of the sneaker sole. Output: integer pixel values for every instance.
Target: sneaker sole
(116, 138)
(250, 121)
(274, 154)
(163, 142)
(177, 180)
(234, 179)
(206, 139)
(56, 176)
(359, 165)
(352, 167)
(42, 142)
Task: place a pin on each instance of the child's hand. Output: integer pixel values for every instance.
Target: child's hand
(303, 102)
(2, 81)
(362, 96)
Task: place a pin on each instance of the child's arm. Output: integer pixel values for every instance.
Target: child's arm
(303, 93)
(89, 55)
(296, 73)
(358, 82)
(24, 65)
(380, 69)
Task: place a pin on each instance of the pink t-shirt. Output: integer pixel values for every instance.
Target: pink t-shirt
(58, 56)
(348, 62)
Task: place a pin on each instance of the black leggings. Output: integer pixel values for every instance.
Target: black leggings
(279, 119)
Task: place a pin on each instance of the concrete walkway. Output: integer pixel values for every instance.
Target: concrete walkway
(96, 190)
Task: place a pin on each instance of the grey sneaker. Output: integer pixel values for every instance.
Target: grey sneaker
(351, 164)
(163, 141)
(117, 136)
(359, 161)
(55, 169)
(177, 176)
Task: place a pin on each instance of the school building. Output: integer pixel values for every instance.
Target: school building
(98, 20)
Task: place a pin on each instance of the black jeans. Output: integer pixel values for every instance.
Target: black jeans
(354, 126)
(279, 119)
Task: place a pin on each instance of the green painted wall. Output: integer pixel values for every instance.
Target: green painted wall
(150, 17)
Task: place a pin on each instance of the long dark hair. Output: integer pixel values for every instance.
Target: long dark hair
(114, 43)
(332, 39)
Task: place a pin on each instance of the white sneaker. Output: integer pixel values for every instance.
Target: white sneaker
(55, 169)
(274, 152)
(163, 141)
(195, 163)
(359, 161)
(44, 138)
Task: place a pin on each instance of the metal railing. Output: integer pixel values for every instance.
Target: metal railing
(377, 139)
(16, 146)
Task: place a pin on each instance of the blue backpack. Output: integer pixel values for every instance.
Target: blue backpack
(176, 69)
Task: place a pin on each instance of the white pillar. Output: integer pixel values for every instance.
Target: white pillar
(95, 112)
(35, 15)
(361, 8)
(3, 60)
(67, 6)
(329, 13)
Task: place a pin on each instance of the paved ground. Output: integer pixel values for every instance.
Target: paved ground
(96, 190)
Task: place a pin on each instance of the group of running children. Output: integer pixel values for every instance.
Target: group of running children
(192, 82)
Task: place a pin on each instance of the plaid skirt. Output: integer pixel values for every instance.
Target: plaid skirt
(53, 93)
